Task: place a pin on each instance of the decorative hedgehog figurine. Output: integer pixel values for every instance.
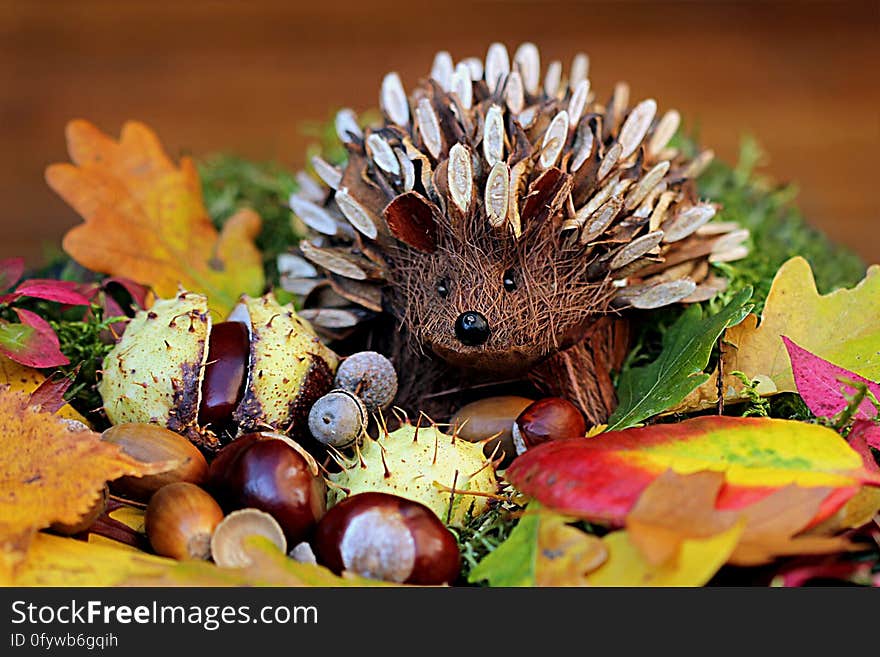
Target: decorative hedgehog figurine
(496, 228)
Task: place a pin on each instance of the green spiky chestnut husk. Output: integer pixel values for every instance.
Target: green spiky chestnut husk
(422, 464)
(154, 373)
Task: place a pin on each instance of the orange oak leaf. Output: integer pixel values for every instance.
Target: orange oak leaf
(50, 471)
(145, 218)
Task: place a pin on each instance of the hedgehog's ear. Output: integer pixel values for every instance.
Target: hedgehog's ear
(412, 219)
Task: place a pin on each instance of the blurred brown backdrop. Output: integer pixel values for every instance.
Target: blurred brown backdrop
(245, 76)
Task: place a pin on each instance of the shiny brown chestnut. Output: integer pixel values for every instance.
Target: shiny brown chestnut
(180, 520)
(272, 473)
(225, 374)
(151, 443)
(550, 418)
(383, 536)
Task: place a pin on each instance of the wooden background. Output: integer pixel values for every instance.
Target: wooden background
(803, 77)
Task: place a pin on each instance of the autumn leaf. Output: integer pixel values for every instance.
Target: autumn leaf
(651, 389)
(542, 550)
(29, 381)
(50, 473)
(600, 479)
(11, 271)
(698, 561)
(145, 218)
(842, 327)
(822, 384)
(31, 342)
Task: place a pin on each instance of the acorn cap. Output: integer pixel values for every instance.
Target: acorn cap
(338, 419)
(370, 376)
(228, 541)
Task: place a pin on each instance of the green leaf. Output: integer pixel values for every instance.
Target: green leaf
(513, 563)
(646, 391)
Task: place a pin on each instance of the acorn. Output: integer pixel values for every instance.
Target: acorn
(87, 519)
(210, 382)
(151, 443)
(228, 547)
(180, 520)
(338, 419)
(370, 376)
(272, 473)
(550, 418)
(383, 536)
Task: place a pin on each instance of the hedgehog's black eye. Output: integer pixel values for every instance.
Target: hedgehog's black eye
(443, 288)
(509, 281)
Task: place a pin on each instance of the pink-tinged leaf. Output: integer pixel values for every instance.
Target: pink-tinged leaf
(138, 292)
(600, 478)
(32, 343)
(66, 292)
(865, 434)
(843, 571)
(819, 383)
(49, 395)
(11, 271)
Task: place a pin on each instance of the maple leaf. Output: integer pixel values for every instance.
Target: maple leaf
(50, 472)
(842, 327)
(145, 218)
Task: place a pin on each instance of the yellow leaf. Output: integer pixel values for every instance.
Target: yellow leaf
(698, 561)
(566, 554)
(842, 327)
(145, 218)
(50, 473)
(26, 379)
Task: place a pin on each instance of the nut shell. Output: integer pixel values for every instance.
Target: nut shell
(228, 547)
(550, 418)
(383, 536)
(338, 419)
(370, 376)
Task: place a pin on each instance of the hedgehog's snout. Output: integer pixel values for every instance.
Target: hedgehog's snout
(472, 328)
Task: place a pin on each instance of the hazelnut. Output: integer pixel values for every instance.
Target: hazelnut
(383, 536)
(180, 520)
(227, 544)
(547, 419)
(370, 376)
(272, 473)
(151, 443)
(338, 419)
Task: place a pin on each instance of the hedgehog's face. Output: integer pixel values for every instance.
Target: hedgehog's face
(493, 311)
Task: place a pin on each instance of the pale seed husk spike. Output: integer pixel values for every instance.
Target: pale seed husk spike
(584, 150)
(600, 220)
(407, 170)
(528, 61)
(383, 155)
(636, 127)
(658, 215)
(336, 260)
(646, 208)
(497, 194)
(578, 101)
(301, 287)
(475, 66)
(357, 214)
(730, 240)
(635, 249)
(709, 289)
(687, 221)
(682, 270)
(580, 69)
(616, 108)
(393, 100)
(331, 176)
(663, 132)
(553, 79)
(717, 228)
(736, 253)
(462, 85)
(309, 189)
(290, 264)
(554, 140)
(347, 128)
(427, 173)
(602, 195)
(493, 135)
(646, 185)
(313, 215)
(699, 164)
(429, 127)
(441, 69)
(609, 161)
(649, 297)
(527, 117)
(700, 271)
(518, 175)
(514, 94)
(621, 187)
(331, 318)
(497, 65)
(460, 177)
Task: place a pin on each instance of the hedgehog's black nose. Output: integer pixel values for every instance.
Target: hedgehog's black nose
(471, 328)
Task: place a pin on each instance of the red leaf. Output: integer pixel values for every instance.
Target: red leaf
(843, 571)
(865, 433)
(11, 270)
(51, 290)
(137, 291)
(818, 383)
(39, 347)
(49, 395)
